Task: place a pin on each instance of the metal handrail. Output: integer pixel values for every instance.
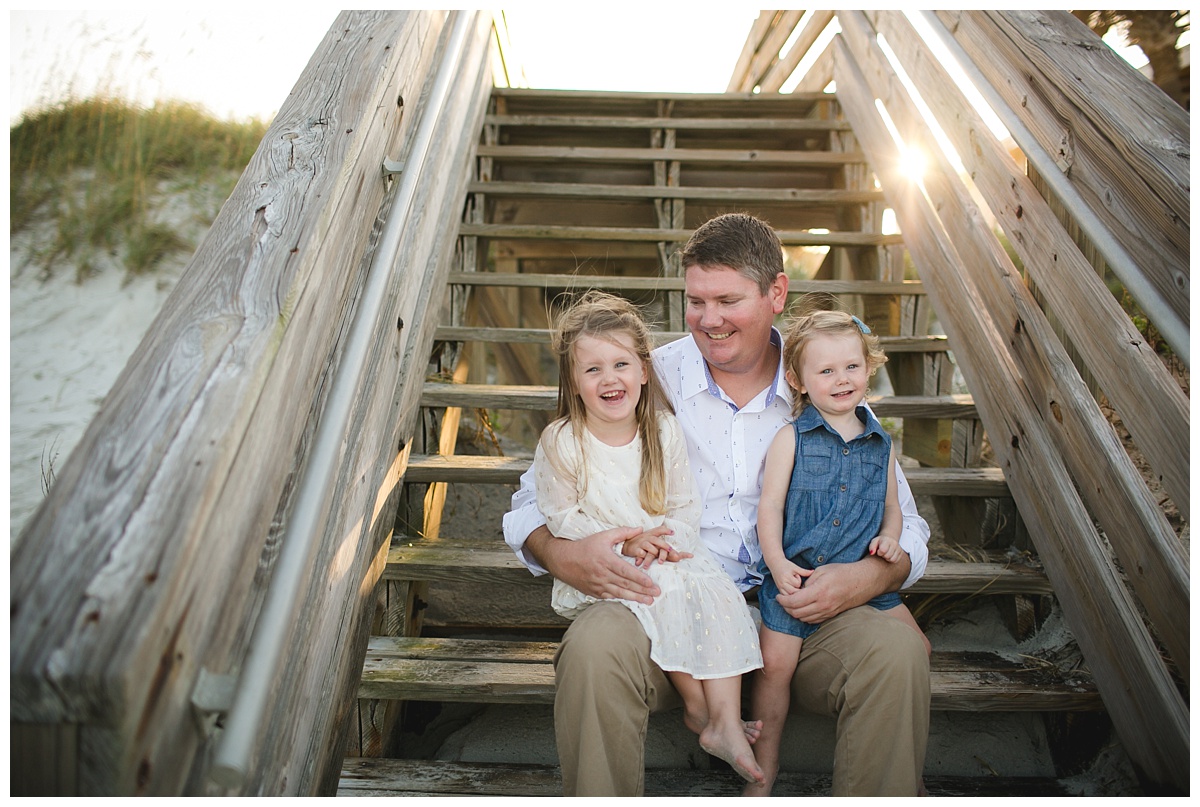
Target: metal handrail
(231, 762)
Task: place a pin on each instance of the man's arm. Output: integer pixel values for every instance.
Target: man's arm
(589, 564)
(839, 587)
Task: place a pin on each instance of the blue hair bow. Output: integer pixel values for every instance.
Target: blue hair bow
(861, 325)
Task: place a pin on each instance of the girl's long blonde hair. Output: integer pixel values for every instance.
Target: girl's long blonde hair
(812, 317)
(601, 316)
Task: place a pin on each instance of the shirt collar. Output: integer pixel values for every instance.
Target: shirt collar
(696, 377)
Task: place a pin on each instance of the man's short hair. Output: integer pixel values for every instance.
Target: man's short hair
(739, 241)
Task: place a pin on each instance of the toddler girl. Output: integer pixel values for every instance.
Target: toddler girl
(828, 496)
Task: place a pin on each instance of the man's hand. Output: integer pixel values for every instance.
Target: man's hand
(838, 587)
(591, 565)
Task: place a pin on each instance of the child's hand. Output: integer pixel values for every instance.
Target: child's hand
(885, 547)
(649, 547)
(789, 577)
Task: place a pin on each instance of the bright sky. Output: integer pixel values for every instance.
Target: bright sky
(242, 63)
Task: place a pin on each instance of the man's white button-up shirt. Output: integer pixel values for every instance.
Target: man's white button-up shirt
(727, 449)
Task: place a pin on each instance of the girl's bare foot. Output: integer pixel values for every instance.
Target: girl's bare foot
(730, 744)
(753, 730)
(762, 788)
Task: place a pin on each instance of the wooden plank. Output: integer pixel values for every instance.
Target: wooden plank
(768, 51)
(1139, 692)
(741, 70)
(641, 122)
(427, 468)
(490, 562)
(791, 238)
(657, 283)
(522, 672)
(1123, 144)
(793, 196)
(782, 70)
(594, 98)
(1149, 400)
(1108, 481)
(819, 159)
(891, 344)
(495, 396)
(423, 777)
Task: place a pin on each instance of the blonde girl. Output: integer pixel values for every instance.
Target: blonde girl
(828, 496)
(615, 457)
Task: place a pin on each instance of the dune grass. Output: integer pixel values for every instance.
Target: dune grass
(95, 168)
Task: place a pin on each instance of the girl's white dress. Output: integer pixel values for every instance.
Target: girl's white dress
(700, 623)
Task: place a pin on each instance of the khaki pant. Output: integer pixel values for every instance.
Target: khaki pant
(865, 669)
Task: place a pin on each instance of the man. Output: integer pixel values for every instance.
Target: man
(726, 384)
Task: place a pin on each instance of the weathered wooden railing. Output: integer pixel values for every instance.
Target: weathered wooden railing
(1120, 148)
(136, 587)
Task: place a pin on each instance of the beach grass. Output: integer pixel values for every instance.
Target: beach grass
(95, 168)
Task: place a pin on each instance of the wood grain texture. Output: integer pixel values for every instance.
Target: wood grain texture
(1123, 144)
(483, 671)
(149, 558)
(408, 777)
(1149, 713)
(428, 468)
(450, 559)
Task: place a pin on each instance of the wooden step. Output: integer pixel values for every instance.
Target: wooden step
(766, 157)
(425, 777)
(487, 671)
(430, 468)
(495, 396)
(727, 124)
(791, 238)
(490, 562)
(541, 336)
(658, 283)
(593, 190)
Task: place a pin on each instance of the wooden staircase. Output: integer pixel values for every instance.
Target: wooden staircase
(599, 190)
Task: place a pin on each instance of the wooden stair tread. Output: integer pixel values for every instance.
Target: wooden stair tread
(487, 671)
(496, 396)
(659, 283)
(742, 156)
(487, 562)
(614, 121)
(793, 238)
(594, 190)
(362, 776)
(537, 336)
(429, 468)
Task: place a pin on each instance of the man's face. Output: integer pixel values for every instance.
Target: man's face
(729, 318)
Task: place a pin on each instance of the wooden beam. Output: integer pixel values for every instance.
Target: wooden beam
(782, 70)
(891, 344)
(1138, 690)
(643, 122)
(1149, 400)
(792, 196)
(1122, 143)
(791, 238)
(821, 159)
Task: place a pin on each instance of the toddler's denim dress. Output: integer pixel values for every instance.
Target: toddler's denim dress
(834, 506)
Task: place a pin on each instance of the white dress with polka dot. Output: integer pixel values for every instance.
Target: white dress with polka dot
(700, 623)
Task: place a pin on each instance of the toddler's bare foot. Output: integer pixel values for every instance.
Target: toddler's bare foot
(753, 730)
(728, 742)
(696, 721)
(758, 788)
